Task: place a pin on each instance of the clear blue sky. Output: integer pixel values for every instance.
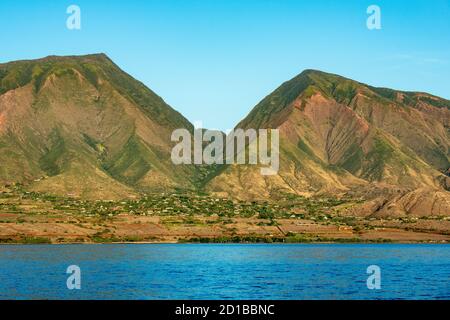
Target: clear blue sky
(214, 60)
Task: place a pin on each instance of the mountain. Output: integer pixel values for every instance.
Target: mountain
(80, 126)
(342, 137)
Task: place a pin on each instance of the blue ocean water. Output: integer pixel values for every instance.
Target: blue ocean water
(235, 271)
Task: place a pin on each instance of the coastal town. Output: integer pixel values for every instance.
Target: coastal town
(30, 217)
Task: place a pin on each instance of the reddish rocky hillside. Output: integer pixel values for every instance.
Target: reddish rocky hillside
(340, 137)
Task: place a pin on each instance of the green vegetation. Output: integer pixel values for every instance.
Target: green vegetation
(297, 238)
(15, 75)
(186, 204)
(49, 161)
(27, 240)
(130, 164)
(438, 102)
(377, 159)
(352, 160)
(305, 148)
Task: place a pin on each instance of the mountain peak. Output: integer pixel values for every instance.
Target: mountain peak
(271, 110)
(89, 128)
(58, 58)
(314, 72)
(19, 73)
(95, 69)
(342, 89)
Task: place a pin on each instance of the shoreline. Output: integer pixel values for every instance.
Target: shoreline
(231, 243)
(131, 229)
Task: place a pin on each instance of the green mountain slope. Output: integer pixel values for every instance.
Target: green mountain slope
(81, 126)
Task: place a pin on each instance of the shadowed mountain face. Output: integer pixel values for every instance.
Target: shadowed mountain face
(83, 127)
(80, 126)
(339, 136)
